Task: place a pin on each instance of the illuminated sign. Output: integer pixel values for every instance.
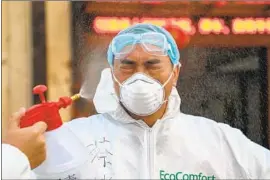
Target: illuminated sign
(204, 26)
(251, 26)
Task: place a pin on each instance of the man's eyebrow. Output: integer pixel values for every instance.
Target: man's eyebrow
(127, 61)
(153, 61)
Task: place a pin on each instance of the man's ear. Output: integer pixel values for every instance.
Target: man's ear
(176, 72)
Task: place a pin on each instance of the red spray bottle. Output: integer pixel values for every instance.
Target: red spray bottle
(66, 155)
(46, 111)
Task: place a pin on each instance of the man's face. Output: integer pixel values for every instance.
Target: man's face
(157, 67)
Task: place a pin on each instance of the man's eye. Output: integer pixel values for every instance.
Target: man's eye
(154, 67)
(126, 66)
(127, 62)
(153, 64)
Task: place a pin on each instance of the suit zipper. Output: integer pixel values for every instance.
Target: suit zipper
(150, 153)
(149, 138)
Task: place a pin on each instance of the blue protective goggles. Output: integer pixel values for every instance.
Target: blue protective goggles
(153, 43)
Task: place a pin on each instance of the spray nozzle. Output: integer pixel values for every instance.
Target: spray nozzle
(75, 97)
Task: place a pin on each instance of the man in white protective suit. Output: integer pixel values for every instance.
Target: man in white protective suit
(145, 136)
(141, 132)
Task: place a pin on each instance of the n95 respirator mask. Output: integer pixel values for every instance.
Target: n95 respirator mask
(142, 95)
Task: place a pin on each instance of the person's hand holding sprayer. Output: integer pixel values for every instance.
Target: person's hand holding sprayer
(30, 141)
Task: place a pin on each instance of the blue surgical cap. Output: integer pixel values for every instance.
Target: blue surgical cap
(144, 28)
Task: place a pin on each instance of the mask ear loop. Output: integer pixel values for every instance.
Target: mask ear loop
(113, 94)
(162, 87)
(115, 77)
(174, 66)
(178, 65)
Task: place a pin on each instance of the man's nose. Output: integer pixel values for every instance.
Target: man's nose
(141, 69)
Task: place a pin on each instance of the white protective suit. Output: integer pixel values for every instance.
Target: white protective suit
(178, 146)
(15, 164)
